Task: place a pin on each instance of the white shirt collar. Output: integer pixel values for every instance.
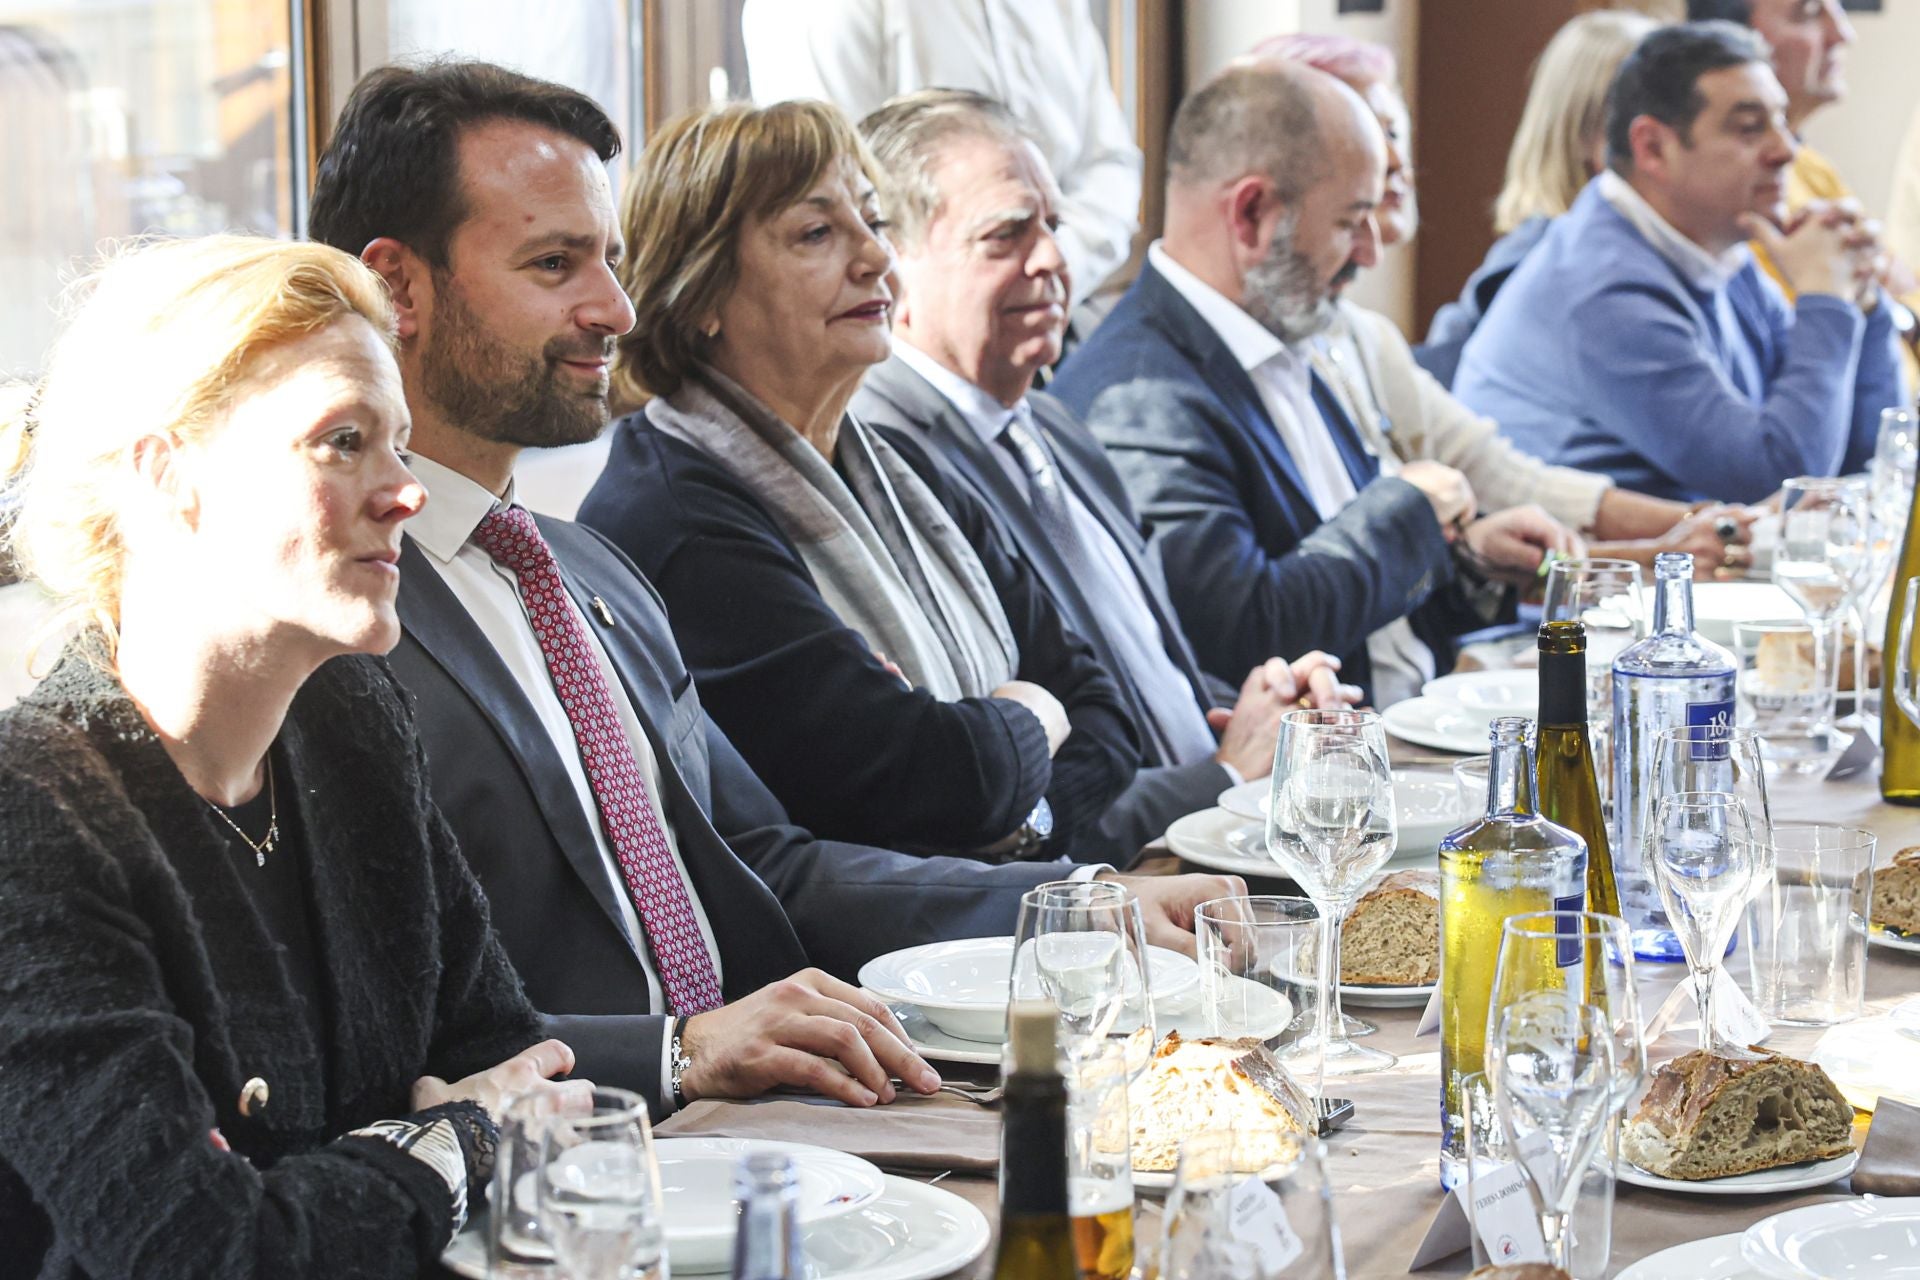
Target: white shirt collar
(455, 507)
(987, 416)
(1707, 272)
(1252, 343)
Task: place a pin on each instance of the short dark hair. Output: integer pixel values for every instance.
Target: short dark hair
(392, 167)
(1739, 12)
(1661, 78)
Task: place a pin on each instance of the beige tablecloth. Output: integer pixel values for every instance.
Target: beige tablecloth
(1385, 1164)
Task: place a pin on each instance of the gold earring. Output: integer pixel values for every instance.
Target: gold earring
(712, 331)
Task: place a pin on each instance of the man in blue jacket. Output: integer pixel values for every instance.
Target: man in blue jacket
(1640, 338)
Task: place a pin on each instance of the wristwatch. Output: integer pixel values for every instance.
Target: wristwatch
(1034, 831)
(677, 1063)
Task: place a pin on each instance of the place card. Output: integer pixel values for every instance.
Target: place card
(1503, 1213)
(1259, 1222)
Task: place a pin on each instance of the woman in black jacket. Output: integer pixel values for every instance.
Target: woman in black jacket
(240, 956)
(883, 664)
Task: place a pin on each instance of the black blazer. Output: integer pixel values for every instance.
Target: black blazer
(140, 989)
(776, 898)
(1252, 568)
(897, 399)
(851, 751)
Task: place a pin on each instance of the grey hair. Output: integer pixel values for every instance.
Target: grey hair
(1251, 118)
(907, 135)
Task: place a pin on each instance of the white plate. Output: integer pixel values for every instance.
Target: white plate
(696, 1184)
(1437, 723)
(1716, 1258)
(1424, 809)
(1870, 1059)
(911, 1231)
(1718, 605)
(1873, 1238)
(1793, 1177)
(1881, 936)
(1221, 841)
(1489, 693)
(962, 986)
(1387, 997)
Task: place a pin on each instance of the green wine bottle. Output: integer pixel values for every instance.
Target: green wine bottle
(1568, 788)
(1899, 736)
(1036, 1227)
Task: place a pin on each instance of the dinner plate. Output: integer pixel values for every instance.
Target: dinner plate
(1881, 936)
(1437, 723)
(1715, 1258)
(910, 1231)
(1873, 1238)
(1425, 808)
(1222, 841)
(1489, 693)
(963, 986)
(696, 1184)
(1871, 1059)
(1718, 605)
(1793, 1177)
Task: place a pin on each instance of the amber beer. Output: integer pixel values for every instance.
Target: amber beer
(1102, 1228)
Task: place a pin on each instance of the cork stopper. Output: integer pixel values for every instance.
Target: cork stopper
(1030, 1030)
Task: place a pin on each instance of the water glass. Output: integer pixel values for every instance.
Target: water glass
(1781, 693)
(1256, 960)
(1242, 1210)
(1807, 930)
(1703, 857)
(598, 1191)
(1100, 1163)
(1825, 554)
(1083, 945)
(517, 1243)
(1606, 596)
(1470, 787)
(1586, 956)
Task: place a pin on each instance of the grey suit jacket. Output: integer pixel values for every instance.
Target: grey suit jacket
(895, 398)
(777, 899)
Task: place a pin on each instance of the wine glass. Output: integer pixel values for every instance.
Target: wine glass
(1250, 1206)
(1083, 945)
(1605, 595)
(1550, 1064)
(1703, 859)
(1824, 554)
(598, 1190)
(1330, 827)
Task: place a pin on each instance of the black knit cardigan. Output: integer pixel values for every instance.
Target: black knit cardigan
(140, 990)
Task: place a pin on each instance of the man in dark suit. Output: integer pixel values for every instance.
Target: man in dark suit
(1276, 527)
(657, 903)
(979, 308)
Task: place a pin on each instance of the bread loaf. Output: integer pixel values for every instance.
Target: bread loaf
(1191, 1085)
(1896, 892)
(1520, 1271)
(1392, 936)
(1711, 1117)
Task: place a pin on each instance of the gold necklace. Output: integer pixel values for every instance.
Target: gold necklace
(264, 845)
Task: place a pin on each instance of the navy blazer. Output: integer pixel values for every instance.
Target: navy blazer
(901, 402)
(1252, 568)
(776, 898)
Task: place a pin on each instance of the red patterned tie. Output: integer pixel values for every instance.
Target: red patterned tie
(627, 812)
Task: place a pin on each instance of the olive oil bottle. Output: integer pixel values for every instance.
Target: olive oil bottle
(1036, 1229)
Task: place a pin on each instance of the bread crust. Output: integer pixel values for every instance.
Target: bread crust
(1706, 1116)
(1520, 1271)
(1896, 892)
(1392, 935)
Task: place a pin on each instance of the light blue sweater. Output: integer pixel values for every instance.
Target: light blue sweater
(1599, 354)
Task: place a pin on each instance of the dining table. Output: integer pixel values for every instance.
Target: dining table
(1383, 1165)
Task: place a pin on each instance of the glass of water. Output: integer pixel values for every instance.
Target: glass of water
(1825, 553)
(1606, 596)
(598, 1189)
(1083, 945)
(1781, 693)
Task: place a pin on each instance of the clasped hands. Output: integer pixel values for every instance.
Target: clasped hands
(1507, 546)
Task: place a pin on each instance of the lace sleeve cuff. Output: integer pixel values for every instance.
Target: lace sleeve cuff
(456, 1141)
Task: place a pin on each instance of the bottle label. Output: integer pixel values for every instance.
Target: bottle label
(1566, 951)
(1717, 715)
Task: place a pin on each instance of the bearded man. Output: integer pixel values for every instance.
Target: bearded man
(1277, 530)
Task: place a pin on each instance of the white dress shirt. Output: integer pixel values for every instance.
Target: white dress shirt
(1707, 272)
(1043, 59)
(1164, 688)
(491, 597)
(1402, 662)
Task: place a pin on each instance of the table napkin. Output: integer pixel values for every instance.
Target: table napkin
(911, 1133)
(1890, 1162)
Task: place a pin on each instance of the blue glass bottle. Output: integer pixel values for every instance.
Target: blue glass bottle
(1674, 677)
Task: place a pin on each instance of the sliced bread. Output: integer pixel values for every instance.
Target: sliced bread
(1392, 936)
(1710, 1117)
(1896, 892)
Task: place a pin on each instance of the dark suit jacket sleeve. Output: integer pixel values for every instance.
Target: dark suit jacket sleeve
(1375, 561)
(1156, 799)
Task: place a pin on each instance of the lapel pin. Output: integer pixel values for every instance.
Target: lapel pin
(601, 611)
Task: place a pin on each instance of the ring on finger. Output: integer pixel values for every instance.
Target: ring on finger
(1726, 528)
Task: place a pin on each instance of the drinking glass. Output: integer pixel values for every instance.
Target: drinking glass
(1550, 1064)
(1256, 957)
(1703, 859)
(1083, 945)
(1100, 1163)
(1780, 693)
(1807, 931)
(1470, 787)
(1605, 595)
(1330, 827)
(1824, 555)
(598, 1190)
(1244, 1207)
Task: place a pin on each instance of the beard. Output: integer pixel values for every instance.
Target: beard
(487, 388)
(1282, 293)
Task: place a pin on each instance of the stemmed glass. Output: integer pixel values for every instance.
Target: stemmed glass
(1703, 861)
(1606, 596)
(1083, 945)
(1550, 1064)
(1330, 827)
(1248, 1206)
(598, 1190)
(1823, 558)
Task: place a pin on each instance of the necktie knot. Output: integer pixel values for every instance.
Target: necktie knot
(1033, 458)
(510, 536)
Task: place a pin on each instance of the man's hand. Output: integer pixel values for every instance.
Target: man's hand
(1275, 687)
(1812, 251)
(1509, 545)
(527, 1071)
(1052, 716)
(1168, 902)
(1448, 491)
(811, 1031)
(1698, 535)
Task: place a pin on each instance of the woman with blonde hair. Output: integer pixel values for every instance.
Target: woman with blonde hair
(1560, 145)
(890, 671)
(241, 957)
